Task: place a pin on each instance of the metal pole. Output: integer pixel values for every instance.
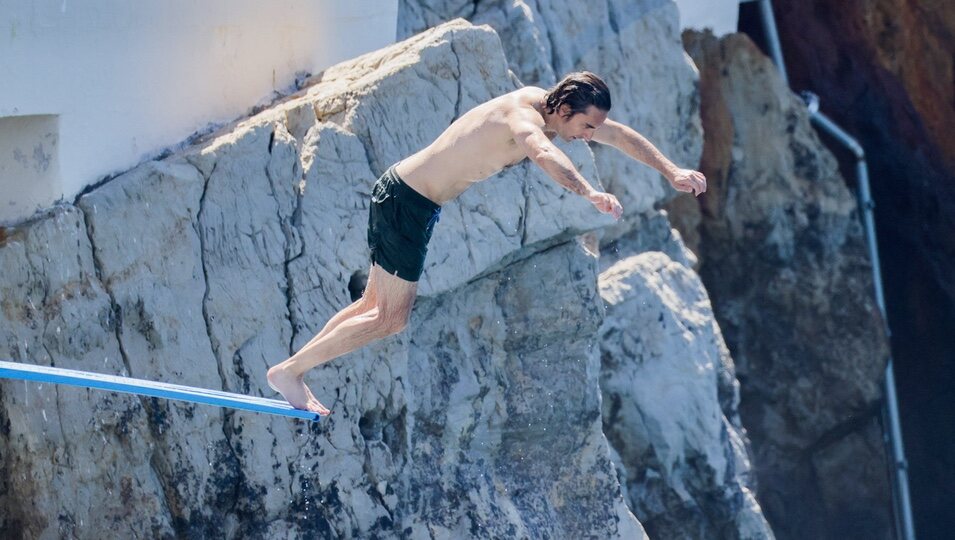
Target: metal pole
(769, 26)
(904, 522)
(898, 454)
(905, 525)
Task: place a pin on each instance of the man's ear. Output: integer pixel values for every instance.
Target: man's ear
(564, 111)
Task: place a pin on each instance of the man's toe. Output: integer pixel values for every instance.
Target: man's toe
(316, 407)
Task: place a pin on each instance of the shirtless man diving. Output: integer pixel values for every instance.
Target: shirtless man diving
(406, 202)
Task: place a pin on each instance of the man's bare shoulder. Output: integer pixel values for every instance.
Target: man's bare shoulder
(531, 93)
(521, 106)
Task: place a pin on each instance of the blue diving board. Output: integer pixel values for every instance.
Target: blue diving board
(128, 385)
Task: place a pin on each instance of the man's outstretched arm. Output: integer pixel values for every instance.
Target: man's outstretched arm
(635, 145)
(539, 148)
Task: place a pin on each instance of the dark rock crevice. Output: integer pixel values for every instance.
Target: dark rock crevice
(844, 429)
(213, 342)
(292, 231)
(229, 486)
(116, 310)
(459, 75)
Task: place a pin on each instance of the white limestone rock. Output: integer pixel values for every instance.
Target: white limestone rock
(504, 407)
(651, 231)
(395, 102)
(680, 444)
(142, 227)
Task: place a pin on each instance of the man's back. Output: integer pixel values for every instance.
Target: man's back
(475, 146)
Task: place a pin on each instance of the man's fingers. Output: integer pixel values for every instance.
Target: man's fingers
(608, 204)
(690, 182)
(696, 185)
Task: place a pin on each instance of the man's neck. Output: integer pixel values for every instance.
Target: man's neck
(541, 107)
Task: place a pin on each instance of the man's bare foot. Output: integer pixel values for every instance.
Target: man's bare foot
(294, 390)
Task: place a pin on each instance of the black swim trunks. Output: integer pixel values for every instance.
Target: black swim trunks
(400, 222)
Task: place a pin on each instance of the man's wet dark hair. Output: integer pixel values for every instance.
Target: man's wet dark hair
(578, 90)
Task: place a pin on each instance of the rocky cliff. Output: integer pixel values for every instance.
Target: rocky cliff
(483, 419)
(671, 399)
(563, 376)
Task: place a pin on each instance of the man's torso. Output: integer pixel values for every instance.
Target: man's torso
(476, 145)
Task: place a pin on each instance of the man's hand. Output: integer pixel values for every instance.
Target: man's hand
(688, 181)
(606, 203)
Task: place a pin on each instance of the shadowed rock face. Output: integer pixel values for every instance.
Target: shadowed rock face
(783, 258)
(885, 71)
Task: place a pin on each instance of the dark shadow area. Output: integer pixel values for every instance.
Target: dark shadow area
(357, 284)
(828, 49)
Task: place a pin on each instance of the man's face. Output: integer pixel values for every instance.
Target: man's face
(580, 125)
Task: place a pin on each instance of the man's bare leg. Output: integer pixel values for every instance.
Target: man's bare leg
(361, 306)
(393, 300)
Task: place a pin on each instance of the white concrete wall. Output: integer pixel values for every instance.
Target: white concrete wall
(125, 79)
(720, 16)
(29, 146)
